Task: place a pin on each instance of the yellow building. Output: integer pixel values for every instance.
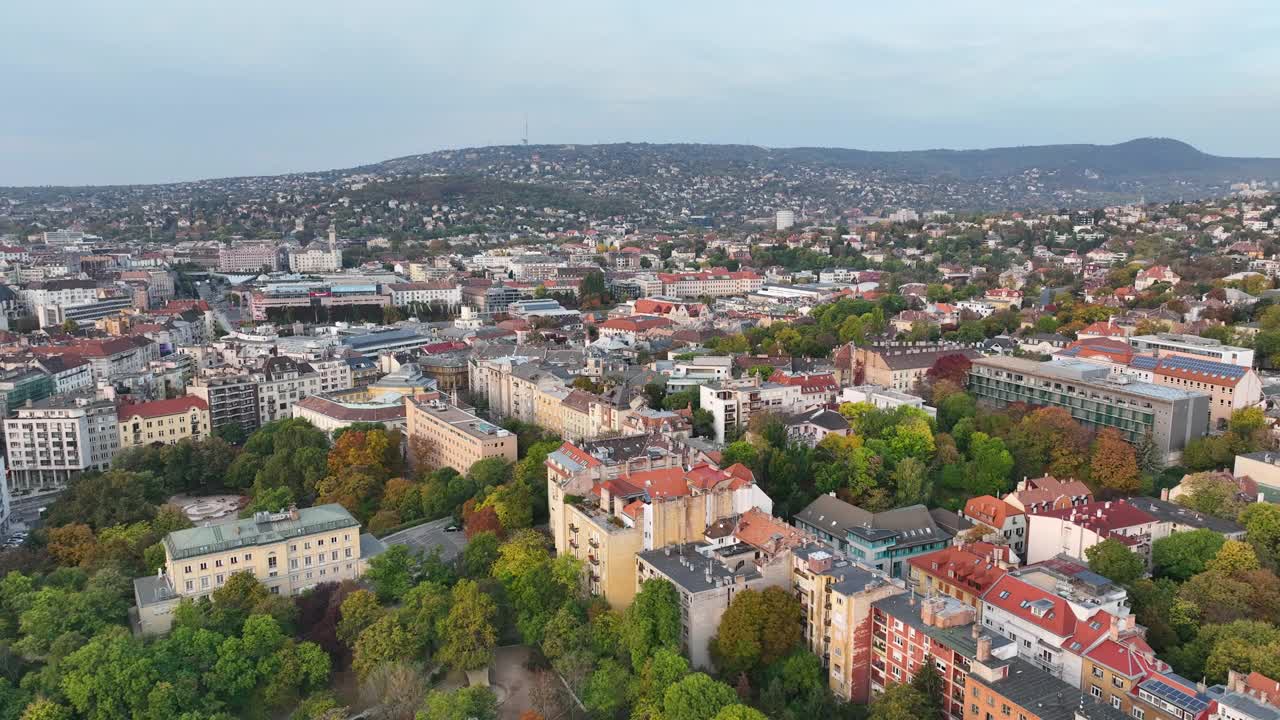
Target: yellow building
(163, 421)
(615, 519)
(451, 437)
(289, 552)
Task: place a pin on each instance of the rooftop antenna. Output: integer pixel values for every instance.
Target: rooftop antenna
(525, 138)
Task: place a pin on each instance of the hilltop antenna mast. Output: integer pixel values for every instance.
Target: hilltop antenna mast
(525, 138)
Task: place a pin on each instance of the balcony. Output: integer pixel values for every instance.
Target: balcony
(594, 560)
(573, 543)
(573, 528)
(594, 543)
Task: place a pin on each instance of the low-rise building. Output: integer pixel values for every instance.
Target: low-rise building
(1074, 530)
(288, 552)
(165, 422)
(1036, 495)
(1009, 522)
(963, 572)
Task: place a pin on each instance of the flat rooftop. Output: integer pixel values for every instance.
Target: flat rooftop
(448, 414)
(263, 529)
(1085, 373)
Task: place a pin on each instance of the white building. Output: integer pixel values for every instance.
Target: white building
(248, 257)
(428, 292)
(282, 383)
(733, 402)
(316, 259)
(54, 440)
(784, 219)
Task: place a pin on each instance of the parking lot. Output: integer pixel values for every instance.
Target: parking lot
(422, 538)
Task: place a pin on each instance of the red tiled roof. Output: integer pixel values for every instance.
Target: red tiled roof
(1102, 517)
(161, 408)
(660, 484)
(990, 510)
(961, 567)
(1014, 597)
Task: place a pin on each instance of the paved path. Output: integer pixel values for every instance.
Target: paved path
(422, 538)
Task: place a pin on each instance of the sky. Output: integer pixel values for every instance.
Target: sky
(129, 91)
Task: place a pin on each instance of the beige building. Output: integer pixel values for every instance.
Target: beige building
(163, 421)
(607, 523)
(452, 437)
(836, 597)
(289, 552)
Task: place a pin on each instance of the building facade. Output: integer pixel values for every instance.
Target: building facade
(55, 440)
(164, 422)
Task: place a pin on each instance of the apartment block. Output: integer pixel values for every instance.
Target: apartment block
(1025, 692)
(164, 422)
(288, 551)
(1095, 397)
(53, 441)
(232, 400)
(248, 258)
(452, 437)
(881, 541)
(1192, 346)
(900, 366)
(962, 572)
(282, 382)
(717, 282)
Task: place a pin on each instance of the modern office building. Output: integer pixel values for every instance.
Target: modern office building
(288, 551)
(1094, 396)
(248, 258)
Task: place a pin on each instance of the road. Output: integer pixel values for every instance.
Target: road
(422, 538)
(227, 316)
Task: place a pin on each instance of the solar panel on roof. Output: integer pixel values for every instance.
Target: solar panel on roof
(1171, 694)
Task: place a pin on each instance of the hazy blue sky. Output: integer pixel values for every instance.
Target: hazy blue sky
(131, 91)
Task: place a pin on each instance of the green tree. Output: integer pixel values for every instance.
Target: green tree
(45, 709)
(900, 702)
(757, 629)
(1262, 526)
(696, 697)
(470, 703)
(1183, 554)
(604, 694)
(385, 641)
(739, 712)
(652, 621)
(480, 554)
(359, 610)
(1114, 560)
(469, 635)
(929, 684)
(392, 573)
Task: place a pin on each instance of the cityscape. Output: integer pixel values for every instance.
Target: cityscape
(637, 429)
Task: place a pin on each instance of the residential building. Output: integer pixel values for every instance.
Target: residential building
(1170, 417)
(451, 437)
(940, 631)
(1192, 346)
(836, 597)
(232, 400)
(1263, 467)
(708, 574)
(289, 552)
(248, 258)
(163, 422)
(901, 366)
(813, 426)
(1074, 530)
(963, 572)
(333, 411)
(282, 382)
(1251, 696)
(1174, 518)
(1037, 495)
(1025, 692)
(53, 441)
(71, 373)
(882, 541)
(316, 258)
(732, 403)
(1008, 522)
(884, 398)
(684, 374)
(440, 293)
(613, 520)
(1155, 274)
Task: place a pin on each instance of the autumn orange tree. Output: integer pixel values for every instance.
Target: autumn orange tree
(1114, 465)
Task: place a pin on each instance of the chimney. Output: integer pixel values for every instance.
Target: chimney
(984, 647)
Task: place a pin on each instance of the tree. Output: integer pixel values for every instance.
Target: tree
(953, 368)
(652, 621)
(480, 554)
(469, 635)
(929, 684)
(385, 641)
(739, 712)
(1114, 465)
(72, 544)
(1114, 560)
(696, 697)
(360, 610)
(1183, 554)
(1233, 559)
(900, 702)
(603, 694)
(469, 703)
(757, 629)
(1262, 526)
(392, 573)
(1212, 493)
(45, 709)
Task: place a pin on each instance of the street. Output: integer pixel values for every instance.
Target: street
(422, 538)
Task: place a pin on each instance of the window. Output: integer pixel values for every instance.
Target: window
(204, 582)
(348, 552)
(271, 561)
(217, 563)
(186, 569)
(1097, 671)
(204, 566)
(233, 560)
(1137, 713)
(1117, 682)
(248, 557)
(1095, 691)
(219, 580)
(293, 563)
(190, 586)
(1115, 701)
